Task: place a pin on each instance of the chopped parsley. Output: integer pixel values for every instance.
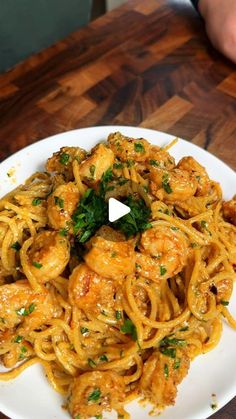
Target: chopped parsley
(129, 328)
(37, 265)
(224, 303)
(203, 224)
(165, 183)
(177, 363)
(163, 270)
(118, 314)
(16, 246)
(154, 163)
(193, 245)
(118, 165)
(184, 329)
(92, 363)
(168, 341)
(174, 228)
(137, 266)
(166, 371)
(18, 339)
(84, 330)
(36, 201)
(63, 232)
(170, 352)
(130, 163)
(95, 395)
(103, 358)
(92, 170)
(137, 220)
(2, 320)
(24, 311)
(23, 351)
(98, 417)
(59, 202)
(113, 254)
(198, 178)
(64, 158)
(139, 148)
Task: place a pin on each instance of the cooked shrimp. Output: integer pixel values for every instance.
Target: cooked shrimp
(200, 173)
(20, 304)
(61, 161)
(61, 204)
(163, 252)
(48, 255)
(128, 148)
(161, 375)
(93, 392)
(110, 255)
(161, 158)
(229, 210)
(89, 291)
(101, 159)
(174, 185)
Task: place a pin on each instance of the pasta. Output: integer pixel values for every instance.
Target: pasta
(114, 311)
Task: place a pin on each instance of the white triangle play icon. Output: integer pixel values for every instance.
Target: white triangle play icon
(116, 210)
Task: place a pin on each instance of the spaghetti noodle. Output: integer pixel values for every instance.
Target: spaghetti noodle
(115, 311)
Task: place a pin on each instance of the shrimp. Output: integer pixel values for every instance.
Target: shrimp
(93, 392)
(110, 255)
(92, 169)
(163, 254)
(89, 291)
(126, 148)
(61, 204)
(48, 255)
(161, 158)
(200, 173)
(61, 161)
(229, 210)
(174, 185)
(20, 304)
(161, 375)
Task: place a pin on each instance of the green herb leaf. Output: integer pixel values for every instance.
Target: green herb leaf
(203, 224)
(129, 163)
(59, 201)
(170, 352)
(31, 308)
(16, 246)
(2, 320)
(165, 183)
(139, 148)
(118, 166)
(184, 329)
(113, 254)
(129, 329)
(103, 358)
(92, 170)
(137, 220)
(154, 163)
(98, 417)
(84, 330)
(168, 341)
(137, 266)
(92, 363)
(36, 201)
(64, 158)
(166, 371)
(118, 314)
(224, 303)
(193, 245)
(163, 270)
(18, 339)
(177, 363)
(95, 395)
(174, 228)
(24, 311)
(37, 265)
(63, 232)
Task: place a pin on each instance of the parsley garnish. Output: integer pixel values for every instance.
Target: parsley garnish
(18, 339)
(224, 303)
(95, 395)
(129, 163)
(63, 232)
(154, 163)
(193, 245)
(177, 363)
(163, 270)
(59, 201)
(139, 148)
(37, 265)
(203, 224)
(165, 183)
(64, 158)
(171, 352)
(118, 314)
(24, 311)
(36, 201)
(166, 371)
(92, 170)
(16, 246)
(91, 363)
(184, 329)
(129, 329)
(113, 254)
(118, 165)
(84, 330)
(103, 358)
(137, 220)
(167, 341)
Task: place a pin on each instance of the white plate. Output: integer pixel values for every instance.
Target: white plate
(30, 396)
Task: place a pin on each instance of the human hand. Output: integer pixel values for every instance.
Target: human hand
(220, 21)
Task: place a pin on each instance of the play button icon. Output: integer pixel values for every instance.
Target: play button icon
(116, 210)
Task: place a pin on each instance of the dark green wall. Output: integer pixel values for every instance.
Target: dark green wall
(27, 26)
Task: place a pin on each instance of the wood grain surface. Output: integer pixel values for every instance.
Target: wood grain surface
(147, 63)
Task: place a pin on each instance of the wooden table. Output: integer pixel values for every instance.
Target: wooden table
(147, 63)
